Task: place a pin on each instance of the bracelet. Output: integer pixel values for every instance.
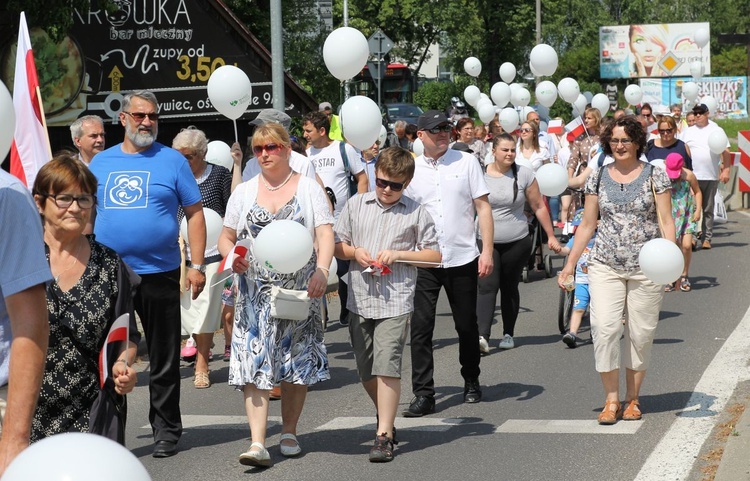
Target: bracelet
(328, 271)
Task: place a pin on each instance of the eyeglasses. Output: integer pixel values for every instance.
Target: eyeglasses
(699, 113)
(395, 186)
(140, 116)
(438, 129)
(63, 201)
(271, 149)
(525, 130)
(665, 131)
(625, 142)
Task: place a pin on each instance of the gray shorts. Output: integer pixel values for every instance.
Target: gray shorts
(378, 344)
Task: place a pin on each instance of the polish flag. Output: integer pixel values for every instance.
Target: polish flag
(30, 149)
(225, 268)
(119, 332)
(555, 126)
(576, 127)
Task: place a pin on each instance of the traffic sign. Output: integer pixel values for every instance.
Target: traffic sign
(670, 63)
(379, 43)
(376, 69)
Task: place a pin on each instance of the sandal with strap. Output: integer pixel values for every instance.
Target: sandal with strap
(685, 284)
(611, 413)
(260, 458)
(632, 412)
(201, 380)
(287, 450)
(669, 287)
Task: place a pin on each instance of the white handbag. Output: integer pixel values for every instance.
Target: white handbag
(289, 304)
(720, 212)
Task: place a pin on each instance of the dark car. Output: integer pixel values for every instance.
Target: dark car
(406, 112)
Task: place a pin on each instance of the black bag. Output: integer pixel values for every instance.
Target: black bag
(109, 413)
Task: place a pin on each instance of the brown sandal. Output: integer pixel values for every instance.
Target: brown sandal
(201, 380)
(611, 413)
(632, 412)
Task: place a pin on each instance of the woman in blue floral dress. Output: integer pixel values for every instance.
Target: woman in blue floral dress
(266, 350)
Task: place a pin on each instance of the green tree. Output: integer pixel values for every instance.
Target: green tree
(54, 16)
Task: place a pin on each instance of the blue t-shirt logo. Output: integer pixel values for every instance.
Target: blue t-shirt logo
(127, 190)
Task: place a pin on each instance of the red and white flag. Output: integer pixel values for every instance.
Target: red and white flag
(119, 332)
(575, 127)
(225, 268)
(30, 149)
(653, 128)
(555, 126)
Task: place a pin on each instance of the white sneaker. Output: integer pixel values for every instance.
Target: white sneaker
(484, 346)
(507, 342)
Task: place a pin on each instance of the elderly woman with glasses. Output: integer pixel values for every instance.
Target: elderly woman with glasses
(92, 288)
(668, 142)
(465, 130)
(634, 201)
(265, 349)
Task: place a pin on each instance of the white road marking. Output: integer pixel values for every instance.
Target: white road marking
(677, 451)
(197, 421)
(566, 426)
(417, 424)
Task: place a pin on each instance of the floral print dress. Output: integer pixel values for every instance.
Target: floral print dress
(683, 208)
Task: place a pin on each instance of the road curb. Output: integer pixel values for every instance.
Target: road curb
(734, 464)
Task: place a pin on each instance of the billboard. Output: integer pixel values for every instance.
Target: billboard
(641, 51)
(730, 94)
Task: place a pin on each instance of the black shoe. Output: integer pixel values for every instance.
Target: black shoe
(344, 319)
(420, 406)
(382, 450)
(164, 449)
(394, 439)
(472, 391)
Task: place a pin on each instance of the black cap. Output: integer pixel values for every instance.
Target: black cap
(700, 109)
(462, 147)
(431, 119)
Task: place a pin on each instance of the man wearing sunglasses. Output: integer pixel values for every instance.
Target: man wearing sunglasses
(141, 184)
(451, 186)
(709, 168)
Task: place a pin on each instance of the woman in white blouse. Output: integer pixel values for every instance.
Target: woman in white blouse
(529, 152)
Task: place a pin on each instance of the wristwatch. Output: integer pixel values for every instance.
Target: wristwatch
(198, 267)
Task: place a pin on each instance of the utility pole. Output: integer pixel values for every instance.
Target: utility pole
(277, 56)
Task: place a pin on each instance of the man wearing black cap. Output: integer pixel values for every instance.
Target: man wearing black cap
(709, 168)
(451, 186)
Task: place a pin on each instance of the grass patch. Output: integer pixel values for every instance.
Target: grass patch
(731, 127)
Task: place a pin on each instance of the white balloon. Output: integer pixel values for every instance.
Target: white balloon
(219, 153)
(601, 103)
(524, 114)
(383, 136)
(283, 246)
(579, 106)
(633, 94)
(718, 142)
(230, 91)
(552, 179)
(711, 103)
(214, 224)
(690, 90)
(76, 457)
(534, 71)
(521, 97)
(658, 163)
(500, 94)
(484, 96)
(345, 52)
(486, 112)
(661, 261)
(508, 119)
(472, 95)
(513, 87)
(507, 72)
(417, 147)
(701, 37)
(361, 121)
(568, 89)
(543, 59)
(482, 102)
(588, 96)
(473, 66)
(697, 70)
(546, 93)
(9, 121)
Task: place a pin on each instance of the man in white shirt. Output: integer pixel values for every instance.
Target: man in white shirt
(88, 135)
(450, 184)
(706, 167)
(326, 157)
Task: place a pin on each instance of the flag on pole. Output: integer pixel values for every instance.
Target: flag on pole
(30, 149)
(575, 127)
(555, 126)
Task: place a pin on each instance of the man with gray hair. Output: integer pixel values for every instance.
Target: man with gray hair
(141, 183)
(398, 138)
(88, 134)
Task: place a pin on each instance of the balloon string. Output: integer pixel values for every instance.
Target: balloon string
(236, 137)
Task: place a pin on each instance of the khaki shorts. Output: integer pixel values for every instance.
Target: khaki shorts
(378, 344)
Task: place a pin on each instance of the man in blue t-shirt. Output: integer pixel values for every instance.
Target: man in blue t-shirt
(141, 184)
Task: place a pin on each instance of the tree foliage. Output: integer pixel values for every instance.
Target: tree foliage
(54, 16)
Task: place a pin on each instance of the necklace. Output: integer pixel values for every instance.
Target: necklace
(75, 258)
(269, 187)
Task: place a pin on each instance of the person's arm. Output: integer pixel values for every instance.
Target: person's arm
(487, 231)
(697, 194)
(583, 235)
(27, 311)
(197, 240)
(534, 197)
(664, 207)
(237, 170)
(579, 180)
(425, 255)
(123, 374)
(362, 186)
(726, 166)
(319, 280)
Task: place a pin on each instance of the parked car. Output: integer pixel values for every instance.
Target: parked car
(407, 112)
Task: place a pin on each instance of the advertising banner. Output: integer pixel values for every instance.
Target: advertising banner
(641, 51)
(730, 94)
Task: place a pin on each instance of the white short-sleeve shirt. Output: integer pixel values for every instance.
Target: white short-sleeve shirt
(329, 165)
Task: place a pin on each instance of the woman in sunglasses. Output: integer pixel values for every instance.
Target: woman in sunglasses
(668, 142)
(528, 151)
(511, 187)
(268, 350)
(92, 287)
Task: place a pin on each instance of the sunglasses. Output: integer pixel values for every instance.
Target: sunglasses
(525, 130)
(270, 148)
(665, 131)
(395, 186)
(140, 116)
(699, 113)
(63, 201)
(438, 129)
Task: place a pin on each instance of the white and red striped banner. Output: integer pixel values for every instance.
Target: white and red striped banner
(576, 127)
(119, 332)
(555, 126)
(30, 149)
(743, 169)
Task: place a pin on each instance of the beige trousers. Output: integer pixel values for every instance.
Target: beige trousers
(618, 295)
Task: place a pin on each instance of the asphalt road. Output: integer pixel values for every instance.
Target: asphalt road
(537, 419)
